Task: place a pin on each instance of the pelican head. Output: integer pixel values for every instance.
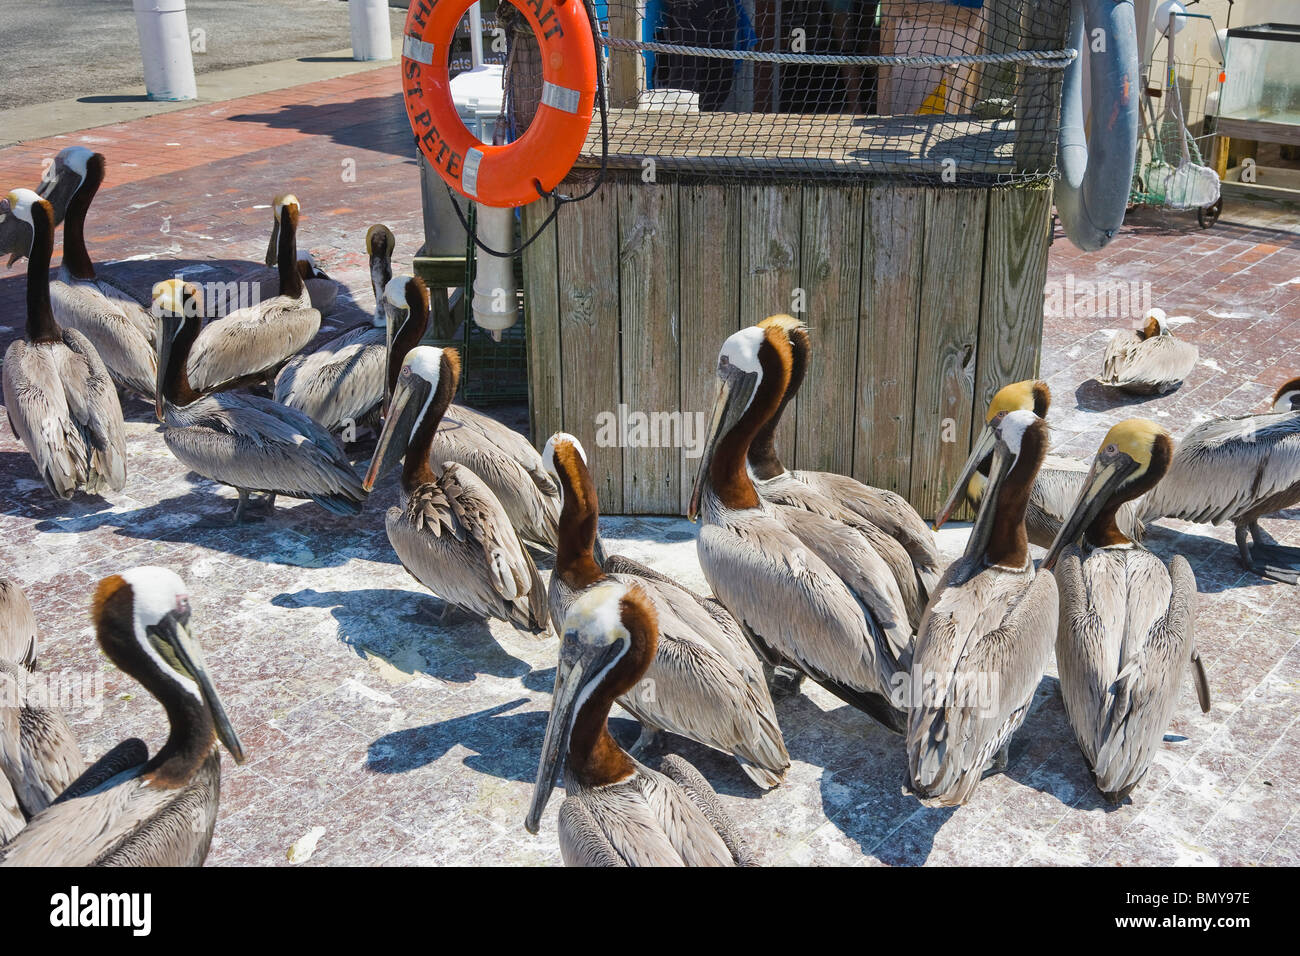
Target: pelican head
(754, 360)
(1133, 457)
(65, 175)
(1287, 398)
(608, 640)
(425, 385)
(142, 619)
(405, 304)
(561, 458)
(1153, 324)
(1031, 395)
(380, 243)
(18, 223)
(278, 206)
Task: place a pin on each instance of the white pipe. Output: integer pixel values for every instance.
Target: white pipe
(476, 35)
(495, 307)
(165, 49)
(372, 37)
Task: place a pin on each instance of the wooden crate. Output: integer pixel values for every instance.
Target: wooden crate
(922, 301)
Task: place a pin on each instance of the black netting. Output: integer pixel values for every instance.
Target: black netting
(962, 93)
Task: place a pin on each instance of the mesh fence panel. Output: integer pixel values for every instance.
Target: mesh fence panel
(964, 94)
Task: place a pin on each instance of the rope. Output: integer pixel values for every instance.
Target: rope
(1042, 59)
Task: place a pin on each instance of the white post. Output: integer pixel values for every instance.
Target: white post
(476, 35)
(372, 38)
(165, 49)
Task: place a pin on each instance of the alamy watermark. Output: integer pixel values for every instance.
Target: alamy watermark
(624, 428)
(1104, 298)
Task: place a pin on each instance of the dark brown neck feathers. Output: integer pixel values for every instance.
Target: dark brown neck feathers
(287, 252)
(763, 458)
(41, 326)
(75, 255)
(1008, 542)
(727, 472)
(575, 560)
(176, 377)
(595, 758)
(411, 331)
(416, 470)
(1103, 531)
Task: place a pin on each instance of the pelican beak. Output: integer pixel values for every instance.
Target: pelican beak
(186, 653)
(984, 446)
(999, 468)
(731, 397)
(581, 665)
(403, 413)
(1103, 480)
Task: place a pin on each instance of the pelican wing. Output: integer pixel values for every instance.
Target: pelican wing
(793, 603)
(984, 644)
(582, 842)
(120, 330)
(38, 753)
(251, 341)
(1123, 648)
(62, 406)
(698, 791)
(454, 538)
(705, 685)
(260, 445)
(341, 382)
(1229, 467)
(1154, 364)
(851, 556)
(509, 441)
(12, 820)
(17, 625)
(888, 511)
(124, 822)
(534, 514)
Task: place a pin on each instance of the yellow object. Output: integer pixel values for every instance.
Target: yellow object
(936, 102)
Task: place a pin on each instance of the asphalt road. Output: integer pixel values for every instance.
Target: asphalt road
(62, 49)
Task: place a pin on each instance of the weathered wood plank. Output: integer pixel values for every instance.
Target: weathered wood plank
(830, 266)
(948, 331)
(542, 318)
(1011, 308)
(885, 392)
(626, 69)
(648, 294)
(709, 267)
(771, 220)
(589, 333)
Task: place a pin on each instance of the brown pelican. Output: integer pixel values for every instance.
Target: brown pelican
(617, 812)
(809, 590)
(1239, 469)
(247, 442)
(450, 532)
(115, 322)
(380, 243)
(321, 289)
(38, 752)
(987, 634)
(1059, 480)
(58, 395)
(1125, 637)
(1149, 360)
(127, 809)
(892, 525)
(250, 344)
(708, 682)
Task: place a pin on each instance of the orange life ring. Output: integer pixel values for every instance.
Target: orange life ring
(501, 175)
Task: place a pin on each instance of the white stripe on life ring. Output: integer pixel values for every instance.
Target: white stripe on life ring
(413, 48)
(560, 97)
(469, 172)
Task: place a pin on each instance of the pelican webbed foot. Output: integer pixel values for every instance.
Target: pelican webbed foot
(1000, 760)
(1266, 557)
(646, 743)
(786, 680)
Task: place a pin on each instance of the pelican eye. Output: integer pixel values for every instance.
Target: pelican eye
(1112, 449)
(406, 370)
